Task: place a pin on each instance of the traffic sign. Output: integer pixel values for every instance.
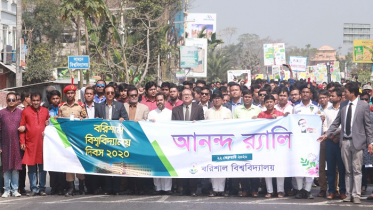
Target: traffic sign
(79, 62)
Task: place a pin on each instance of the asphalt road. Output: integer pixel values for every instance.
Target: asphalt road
(175, 202)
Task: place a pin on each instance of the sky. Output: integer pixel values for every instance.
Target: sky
(296, 22)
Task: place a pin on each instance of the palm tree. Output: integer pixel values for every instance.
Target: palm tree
(217, 65)
(212, 42)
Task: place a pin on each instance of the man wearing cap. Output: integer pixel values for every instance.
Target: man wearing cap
(368, 89)
(67, 109)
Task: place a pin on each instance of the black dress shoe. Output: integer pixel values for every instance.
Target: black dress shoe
(156, 192)
(309, 195)
(22, 191)
(107, 193)
(141, 193)
(131, 192)
(299, 194)
(168, 192)
(53, 192)
(60, 192)
(32, 193)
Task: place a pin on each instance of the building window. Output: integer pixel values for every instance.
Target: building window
(5, 35)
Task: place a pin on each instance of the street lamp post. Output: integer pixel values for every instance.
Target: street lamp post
(328, 71)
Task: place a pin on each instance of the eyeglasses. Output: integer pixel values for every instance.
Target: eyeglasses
(134, 95)
(100, 85)
(110, 93)
(206, 94)
(365, 99)
(262, 94)
(11, 99)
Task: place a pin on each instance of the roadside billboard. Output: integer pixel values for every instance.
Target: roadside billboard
(361, 53)
(201, 69)
(197, 21)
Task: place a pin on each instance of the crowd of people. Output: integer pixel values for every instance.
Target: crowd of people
(345, 143)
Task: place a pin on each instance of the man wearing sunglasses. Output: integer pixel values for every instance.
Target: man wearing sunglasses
(262, 94)
(205, 97)
(100, 86)
(67, 109)
(136, 112)
(10, 151)
(111, 110)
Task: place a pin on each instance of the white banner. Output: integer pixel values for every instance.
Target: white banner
(283, 147)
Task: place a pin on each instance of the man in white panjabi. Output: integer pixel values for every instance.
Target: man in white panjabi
(218, 112)
(158, 115)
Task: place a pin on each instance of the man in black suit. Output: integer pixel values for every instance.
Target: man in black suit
(111, 110)
(188, 111)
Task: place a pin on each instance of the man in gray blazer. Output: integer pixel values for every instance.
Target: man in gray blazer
(111, 110)
(355, 133)
(188, 111)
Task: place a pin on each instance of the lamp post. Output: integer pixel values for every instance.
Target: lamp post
(328, 71)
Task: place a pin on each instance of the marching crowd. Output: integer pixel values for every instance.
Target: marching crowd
(345, 144)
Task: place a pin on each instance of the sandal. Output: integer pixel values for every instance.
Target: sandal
(280, 195)
(268, 195)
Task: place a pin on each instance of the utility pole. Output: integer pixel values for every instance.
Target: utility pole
(18, 44)
(81, 84)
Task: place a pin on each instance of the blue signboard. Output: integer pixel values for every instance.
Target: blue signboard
(79, 62)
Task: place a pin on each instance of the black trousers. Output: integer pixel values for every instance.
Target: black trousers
(94, 182)
(189, 185)
(136, 184)
(22, 175)
(247, 184)
(288, 184)
(57, 180)
(112, 184)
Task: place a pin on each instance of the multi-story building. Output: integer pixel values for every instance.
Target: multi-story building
(323, 55)
(8, 42)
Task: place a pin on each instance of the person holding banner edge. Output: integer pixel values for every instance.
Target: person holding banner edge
(272, 113)
(111, 110)
(356, 132)
(158, 115)
(218, 112)
(307, 107)
(72, 109)
(188, 112)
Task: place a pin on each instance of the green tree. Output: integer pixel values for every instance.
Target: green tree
(74, 10)
(40, 65)
(43, 29)
(217, 65)
(130, 53)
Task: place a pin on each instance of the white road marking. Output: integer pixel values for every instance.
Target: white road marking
(73, 199)
(13, 199)
(163, 198)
